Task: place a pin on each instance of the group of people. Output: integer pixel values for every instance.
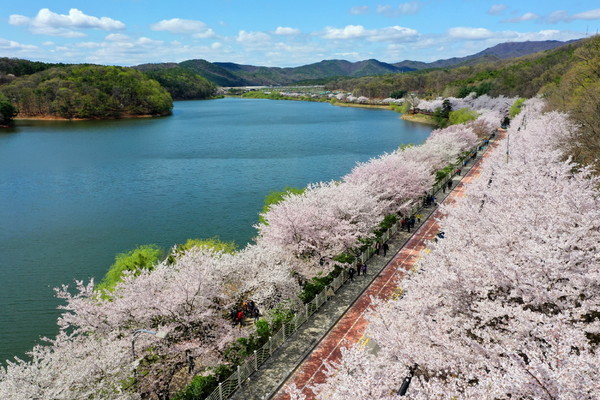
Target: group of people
(408, 223)
(428, 200)
(378, 247)
(360, 267)
(247, 309)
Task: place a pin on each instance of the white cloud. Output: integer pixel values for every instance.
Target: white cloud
(525, 17)
(497, 9)
(591, 14)
(117, 37)
(352, 55)
(402, 9)
(197, 29)
(144, 41)
(563, 16)
(469, 33)
(47, 22)
(252, 37)
(216, 45)
(347, 32)
(359, 10)
(286, 31)
(88, 45)
(12, 45)
(392, 33)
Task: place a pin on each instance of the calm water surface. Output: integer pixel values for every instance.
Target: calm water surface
(74, 194)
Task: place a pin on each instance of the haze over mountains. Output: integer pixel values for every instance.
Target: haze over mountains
(231, 74)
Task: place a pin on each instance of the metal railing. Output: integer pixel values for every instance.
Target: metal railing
(253, 363)
(260, 356)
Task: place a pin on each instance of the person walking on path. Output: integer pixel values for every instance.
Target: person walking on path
(351, 273)
(358, 268)
(377, 246)
(256, 314)
(190, 361)
(385, 247)
(364, 269)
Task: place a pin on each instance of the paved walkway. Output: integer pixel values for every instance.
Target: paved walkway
(340, 321)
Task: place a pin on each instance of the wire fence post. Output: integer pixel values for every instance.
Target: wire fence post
(270, 346)
(255, 361)
(220, 391)
(239, 376)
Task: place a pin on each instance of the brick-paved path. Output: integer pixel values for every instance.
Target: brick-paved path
(336, 325)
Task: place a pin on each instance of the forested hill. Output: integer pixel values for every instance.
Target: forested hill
(500, 51)
(87, 91)
(231, 74)
(522, 76)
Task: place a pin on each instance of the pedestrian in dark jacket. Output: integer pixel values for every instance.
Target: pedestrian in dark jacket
(385, 248)
(364, 269)
(351, 272)
(377, 246)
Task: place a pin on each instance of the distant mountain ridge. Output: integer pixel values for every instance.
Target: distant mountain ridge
(500, 51)
(232, 74)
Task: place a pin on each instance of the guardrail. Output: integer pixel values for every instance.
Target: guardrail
(253, 363)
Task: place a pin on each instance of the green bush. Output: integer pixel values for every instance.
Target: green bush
(462, 115)
(136, 260)
(316, 285)
(515, 109)
(388, 221)
(443, 173)
(200, 388)
(7, 110)
(398, 94)
(345, 258)
(214, 244)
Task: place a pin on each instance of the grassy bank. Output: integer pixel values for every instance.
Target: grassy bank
(419, 118)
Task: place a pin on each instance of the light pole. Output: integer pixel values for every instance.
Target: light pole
(158, 334)
(406, 382)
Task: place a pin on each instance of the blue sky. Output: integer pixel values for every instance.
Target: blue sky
(278, 32)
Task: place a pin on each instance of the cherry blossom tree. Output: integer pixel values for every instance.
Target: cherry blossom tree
(324, 221)
(191, 296)
(393, 179)
(505, 304)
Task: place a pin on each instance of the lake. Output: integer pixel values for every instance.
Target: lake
(74, 194)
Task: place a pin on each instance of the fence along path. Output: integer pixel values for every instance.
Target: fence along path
(351, 327)
(263, 373)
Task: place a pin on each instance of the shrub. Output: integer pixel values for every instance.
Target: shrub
(462, 115)
(515, 109)
(7, 110)
(136, 260)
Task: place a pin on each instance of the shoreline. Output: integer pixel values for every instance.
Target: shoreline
(376, 106)
(54, 118)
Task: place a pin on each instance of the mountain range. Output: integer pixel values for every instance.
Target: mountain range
(231, 74)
